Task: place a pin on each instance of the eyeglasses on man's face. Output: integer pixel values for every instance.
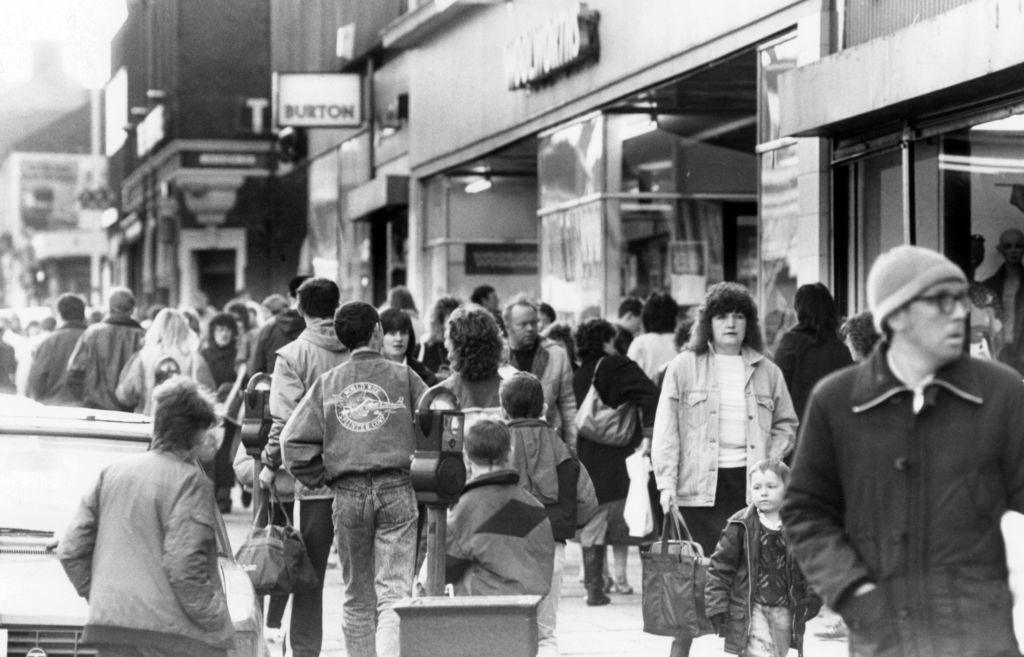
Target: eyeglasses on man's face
(946, 302)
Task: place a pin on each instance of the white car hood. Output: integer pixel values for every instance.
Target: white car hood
(37, 592)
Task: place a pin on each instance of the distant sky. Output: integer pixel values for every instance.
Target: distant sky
(84, 27)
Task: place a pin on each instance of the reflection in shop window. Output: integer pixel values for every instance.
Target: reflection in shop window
(779, 240)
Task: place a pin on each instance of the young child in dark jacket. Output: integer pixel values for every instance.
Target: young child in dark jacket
(548, 472)
(756, 596)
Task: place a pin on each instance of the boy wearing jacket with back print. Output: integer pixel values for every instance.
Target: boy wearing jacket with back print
(756, 596)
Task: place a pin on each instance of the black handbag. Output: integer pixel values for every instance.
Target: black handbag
(675, 572)
(275, 557)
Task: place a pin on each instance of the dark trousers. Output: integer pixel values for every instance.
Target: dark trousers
(223, 472)
(707, 522)
(307, 621)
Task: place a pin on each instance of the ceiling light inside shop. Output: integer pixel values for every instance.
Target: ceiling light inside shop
(481, 184)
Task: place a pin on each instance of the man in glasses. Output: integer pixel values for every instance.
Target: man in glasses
(904, 466)
(1007, 284)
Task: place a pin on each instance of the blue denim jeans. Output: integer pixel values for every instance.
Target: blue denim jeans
(375, 527)
(770, 629)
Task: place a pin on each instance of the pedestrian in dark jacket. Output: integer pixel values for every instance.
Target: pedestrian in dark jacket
(102, 352)
(618, 380)
(905, 464)
(499, 537)
(142, 547)
(756, 596)
(400, 343)
(48, 378)
(8, 365)
(547, 471)
(811, 349)
(279, 331)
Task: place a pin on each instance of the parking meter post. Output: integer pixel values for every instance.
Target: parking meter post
(437, 538)
(438, 473)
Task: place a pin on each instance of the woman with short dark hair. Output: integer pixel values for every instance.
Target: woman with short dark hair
(142, 547)
(655, 346)
(724, 406)
(617, 380)
(400, 343)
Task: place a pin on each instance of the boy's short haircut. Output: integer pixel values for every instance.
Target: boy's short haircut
(631, 306)
(318, 297)
(488, 442)
(772, 465)
(522, 396)
(354, 323)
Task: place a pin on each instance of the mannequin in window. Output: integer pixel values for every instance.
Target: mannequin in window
(1008, 284)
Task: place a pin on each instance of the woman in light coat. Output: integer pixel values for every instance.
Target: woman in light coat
(724, 406)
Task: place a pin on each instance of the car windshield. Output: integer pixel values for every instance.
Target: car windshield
(44, 477)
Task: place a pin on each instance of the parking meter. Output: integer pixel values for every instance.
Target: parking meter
(438, 472)
(256, 429)
(256, 425)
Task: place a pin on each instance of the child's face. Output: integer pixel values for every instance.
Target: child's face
(767, 491)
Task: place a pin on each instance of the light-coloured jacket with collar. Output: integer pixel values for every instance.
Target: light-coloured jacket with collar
(684, 450)
(299, 363)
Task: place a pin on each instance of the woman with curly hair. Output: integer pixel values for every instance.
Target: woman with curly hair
(434, 354)
(617, 380)
(476, 351)
(724, 406)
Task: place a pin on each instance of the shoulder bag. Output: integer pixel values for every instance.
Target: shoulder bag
(602, 424)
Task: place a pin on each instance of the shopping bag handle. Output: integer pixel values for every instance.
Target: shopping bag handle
(674, 519)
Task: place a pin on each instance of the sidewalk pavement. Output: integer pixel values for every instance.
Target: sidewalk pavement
(613, 629)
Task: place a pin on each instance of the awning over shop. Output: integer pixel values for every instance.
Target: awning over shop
(952, 60)
(376, 194)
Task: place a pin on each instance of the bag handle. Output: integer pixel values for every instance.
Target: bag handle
(674, 519)
(267, 503)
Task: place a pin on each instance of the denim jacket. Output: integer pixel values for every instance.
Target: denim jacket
(684, 450)
(358, 417)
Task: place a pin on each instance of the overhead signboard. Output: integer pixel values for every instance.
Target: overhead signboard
(566, 41)
(115, 111)
(318, 100)
(150, 131)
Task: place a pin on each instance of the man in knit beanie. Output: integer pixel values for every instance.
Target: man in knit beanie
(904, 466)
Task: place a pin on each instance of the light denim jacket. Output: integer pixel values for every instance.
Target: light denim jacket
(684, 450)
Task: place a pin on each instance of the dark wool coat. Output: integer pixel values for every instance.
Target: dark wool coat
(911, 503)
(804, 362)
(730, 589)
(279, 331)
(48, 378)
(619, 380)
(96, 363)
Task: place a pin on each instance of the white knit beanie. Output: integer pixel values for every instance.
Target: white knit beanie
(902, 273)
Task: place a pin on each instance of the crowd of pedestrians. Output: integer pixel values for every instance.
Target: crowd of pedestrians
(901, 464)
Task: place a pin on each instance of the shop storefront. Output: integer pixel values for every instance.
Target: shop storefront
(652, 161)
(931, 157)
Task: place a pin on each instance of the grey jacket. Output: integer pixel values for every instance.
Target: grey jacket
(552, 366)
(356, 418)
(684, 449)
(299, 363)
(142, 550)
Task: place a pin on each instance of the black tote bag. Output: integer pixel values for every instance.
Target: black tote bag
(675, 572)
(275, 558)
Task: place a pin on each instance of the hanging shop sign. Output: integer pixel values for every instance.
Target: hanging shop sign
(491, 259)
(318, 100)
(150, 131)
(566, 41)
(224, 160)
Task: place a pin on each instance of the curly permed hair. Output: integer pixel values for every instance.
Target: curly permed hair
(724, 298)
(443, 307)
(591, 336)
(473, 342)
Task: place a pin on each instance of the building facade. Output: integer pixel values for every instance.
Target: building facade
(207, 211)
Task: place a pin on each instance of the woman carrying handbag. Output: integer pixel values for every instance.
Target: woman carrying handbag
(607, 382)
